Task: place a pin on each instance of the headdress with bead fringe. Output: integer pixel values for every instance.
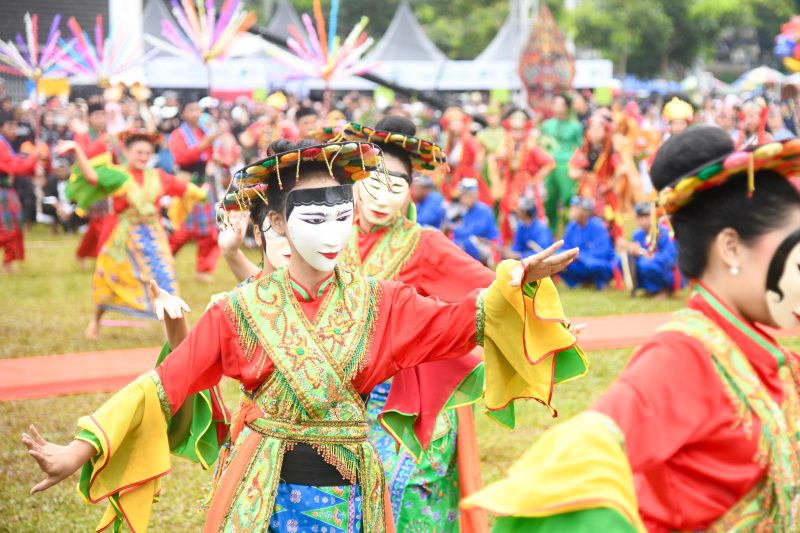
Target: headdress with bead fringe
(355, 160)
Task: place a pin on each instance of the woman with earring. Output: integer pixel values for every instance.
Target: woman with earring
(700, 431)
(307, 343)
(137, 249)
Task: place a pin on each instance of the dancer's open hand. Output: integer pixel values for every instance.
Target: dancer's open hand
(543, 264)
(58, 462)
(231, 235)
(164, 302)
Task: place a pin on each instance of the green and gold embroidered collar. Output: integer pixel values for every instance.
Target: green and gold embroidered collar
(699, 291)
(305, 295)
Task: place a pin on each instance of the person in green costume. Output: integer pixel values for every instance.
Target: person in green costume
(564, 134)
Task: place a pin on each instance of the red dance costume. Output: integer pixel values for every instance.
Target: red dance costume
(201, 223)
(691, 459)
(101, 221)
(12, 166)
(517, 166)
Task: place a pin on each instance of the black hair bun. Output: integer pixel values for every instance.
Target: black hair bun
(688, 151)
(285, 145)
(397, 124)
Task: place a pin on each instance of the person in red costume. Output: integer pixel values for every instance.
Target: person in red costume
(700, 432)
(464, 155)
(13, 166)
(137, 250)
(307, 342)
(94, 139)
(521, 167)
(192, 150)
(597, 168)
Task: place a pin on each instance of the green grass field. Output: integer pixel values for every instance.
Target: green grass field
(44, 308)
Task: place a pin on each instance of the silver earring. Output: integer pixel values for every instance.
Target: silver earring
(735, 270)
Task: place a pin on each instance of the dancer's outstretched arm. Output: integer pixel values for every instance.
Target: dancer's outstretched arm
(58, 462)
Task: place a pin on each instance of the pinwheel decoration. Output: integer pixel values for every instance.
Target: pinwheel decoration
(323, 55)
(202, 33)
(786, 44)
(24, 57)
(103, 60)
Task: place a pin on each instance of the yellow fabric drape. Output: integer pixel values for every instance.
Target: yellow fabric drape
(131, 429)
(575, 466)
(510, 317)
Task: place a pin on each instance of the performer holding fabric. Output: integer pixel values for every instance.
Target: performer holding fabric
(12, 166)
(95, 140)
(306, 342)
(137, 249)
(192, 150)
(700, 431)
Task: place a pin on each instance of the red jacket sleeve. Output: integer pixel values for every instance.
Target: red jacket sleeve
(413, 329)
(91, 147)
(181, 152)
(15, 164)
(539, 158)
(210, 351)
(448, 272)
(656, 421)
(171, 185)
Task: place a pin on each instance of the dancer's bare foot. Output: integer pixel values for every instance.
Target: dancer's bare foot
(204, 277)
(92, 330)
(82, 264)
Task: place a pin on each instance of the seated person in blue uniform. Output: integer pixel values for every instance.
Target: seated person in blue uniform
(429, 202)
(653, 270)
(475, 228)
(594, 265)
(532, 235)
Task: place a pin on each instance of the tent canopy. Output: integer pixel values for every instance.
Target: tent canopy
(284, 15)
(510, 38)
(405, 40)
(154, 12)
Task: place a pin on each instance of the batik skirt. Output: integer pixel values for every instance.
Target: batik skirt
(136, 252)
(424, 495)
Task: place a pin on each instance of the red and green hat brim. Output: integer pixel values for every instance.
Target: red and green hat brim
(781, 157)
(425, 156)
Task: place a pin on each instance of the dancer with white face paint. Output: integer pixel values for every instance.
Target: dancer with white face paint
(388, 244)
(307, 343)
(319, 223)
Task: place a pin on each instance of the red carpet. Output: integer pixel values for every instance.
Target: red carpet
(75, 373)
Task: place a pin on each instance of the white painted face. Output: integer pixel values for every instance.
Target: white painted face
(319, 230)
(278, 251)
(379, 200)
(783, 292)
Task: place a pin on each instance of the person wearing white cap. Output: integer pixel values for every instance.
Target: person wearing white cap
(429, 202)
(476, 230)
(590, 234)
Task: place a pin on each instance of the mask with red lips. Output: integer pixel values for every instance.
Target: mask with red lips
(319, 223)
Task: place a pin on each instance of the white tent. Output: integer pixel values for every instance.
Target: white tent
(405, 40)
(154, 12)
(282, 17)
(511, 37)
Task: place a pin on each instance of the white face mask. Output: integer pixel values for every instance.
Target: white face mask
(320, 222)
(278, 251)
(379, 202)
